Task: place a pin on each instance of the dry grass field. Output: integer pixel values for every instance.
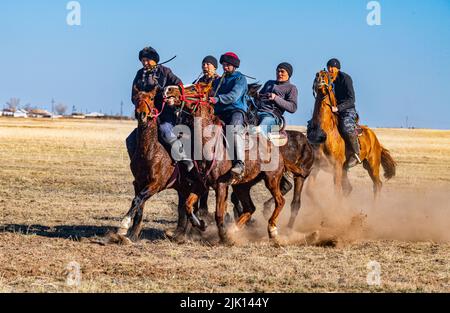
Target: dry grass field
(64, 183)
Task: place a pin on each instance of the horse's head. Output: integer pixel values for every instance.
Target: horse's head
(193, 99)
(145, 106)
(173, 94)
(323, 84)
(325, 100)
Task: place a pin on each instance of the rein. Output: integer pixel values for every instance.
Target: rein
(204, 176)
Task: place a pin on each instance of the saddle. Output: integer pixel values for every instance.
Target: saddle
(278, 139)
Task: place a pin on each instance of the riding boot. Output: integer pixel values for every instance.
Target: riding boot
(354, 145)
(238, 168)
(179, 155)
(285, 184)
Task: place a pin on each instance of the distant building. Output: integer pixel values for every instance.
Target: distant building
(14, 113)
(94, 115)
(38, 113)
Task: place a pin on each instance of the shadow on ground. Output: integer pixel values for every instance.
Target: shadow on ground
(74, 232)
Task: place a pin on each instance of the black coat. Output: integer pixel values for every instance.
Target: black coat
(344, 92)
(162, 77)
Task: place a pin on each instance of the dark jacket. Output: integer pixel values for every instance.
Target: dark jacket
(162, 76)
(285, 100)
(344, 92)
(231, 95)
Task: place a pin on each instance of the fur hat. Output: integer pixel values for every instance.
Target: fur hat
(231, 58)
(149, 53)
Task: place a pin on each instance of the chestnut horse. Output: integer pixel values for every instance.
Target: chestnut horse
(152, 168)
(331, 152)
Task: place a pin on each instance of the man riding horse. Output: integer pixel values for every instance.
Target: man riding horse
(230, 106)
(277, 96)
(151, 76)
(345, 96)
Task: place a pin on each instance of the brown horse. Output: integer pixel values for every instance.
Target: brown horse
(298, 157)
(152, 168)
(215, 171)
(331, 151)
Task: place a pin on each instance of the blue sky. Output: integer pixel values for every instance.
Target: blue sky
(400, 68)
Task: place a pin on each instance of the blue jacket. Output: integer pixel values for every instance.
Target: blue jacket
(231, 95)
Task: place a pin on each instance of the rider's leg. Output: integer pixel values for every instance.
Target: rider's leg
(267, 121)
(237, 121)
(348, 125)
(131, 142)
(177, 150)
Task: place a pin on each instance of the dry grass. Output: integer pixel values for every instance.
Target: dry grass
(62, 181)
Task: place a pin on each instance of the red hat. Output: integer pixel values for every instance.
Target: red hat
(231, 58)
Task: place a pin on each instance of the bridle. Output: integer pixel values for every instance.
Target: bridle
(327, 87)
(154, 113)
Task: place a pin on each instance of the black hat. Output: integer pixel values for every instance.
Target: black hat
(149, 53)
(334, 63)
(210, 59)
(286, 66)
(231, 58)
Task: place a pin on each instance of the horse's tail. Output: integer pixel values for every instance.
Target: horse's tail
(388, 163)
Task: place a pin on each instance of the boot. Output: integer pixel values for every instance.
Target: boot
(179, 155)
(285, 184)
(354, 145)
(238, 168)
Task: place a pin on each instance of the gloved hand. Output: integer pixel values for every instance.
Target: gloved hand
(213, 100)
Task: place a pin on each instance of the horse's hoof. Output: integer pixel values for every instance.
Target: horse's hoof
(273, 232)
(227, 241)
(177, 236)
(312, 238)
(124, 240)
(202, 226)
(122, 231)
(133, 238)
(276, 242)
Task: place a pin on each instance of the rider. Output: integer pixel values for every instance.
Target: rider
(154, 75)
(277, 96)
(209, 68)
(345, 96)
(230, 105)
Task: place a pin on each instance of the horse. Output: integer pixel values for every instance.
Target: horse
(152, 168)
(330, 147)
(215, 170)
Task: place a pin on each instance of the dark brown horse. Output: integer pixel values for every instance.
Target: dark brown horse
(152, 168)
(331, 150)
(215, 171)
(298, 157)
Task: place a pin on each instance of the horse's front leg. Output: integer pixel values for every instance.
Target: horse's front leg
(338, 177)
(221, 206)
(136, 211)
(190, 204)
